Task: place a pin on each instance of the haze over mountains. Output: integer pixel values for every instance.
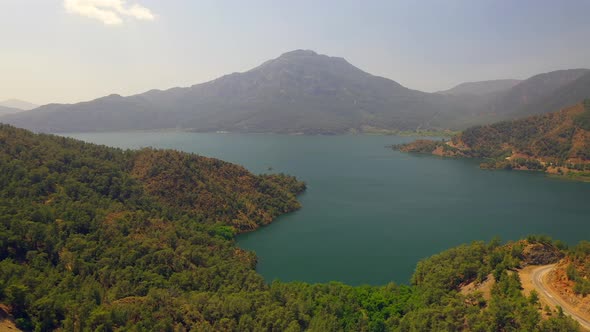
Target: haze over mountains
(18, 104)
(533, 95)
(305, 92)
(8, 110)
(481, 88)
(12, 106)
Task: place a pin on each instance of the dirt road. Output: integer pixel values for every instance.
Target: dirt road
(538, 278)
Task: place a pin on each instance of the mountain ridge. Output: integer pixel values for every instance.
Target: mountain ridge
(303, 92)
(8, 110)
(18, 104)
(534, 89)
(481, 87)
(300, 91)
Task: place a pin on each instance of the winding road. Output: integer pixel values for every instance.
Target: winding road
(538, 278)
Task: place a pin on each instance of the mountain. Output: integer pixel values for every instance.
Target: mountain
(538, 94)
(298, 92)
(8, 110)
(567, 94)
(18, 104)
(539, 89)
(556, 142)
(12, 106)
(302, 92)
(481, 88)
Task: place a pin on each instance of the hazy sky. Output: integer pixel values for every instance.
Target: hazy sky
(74, 50)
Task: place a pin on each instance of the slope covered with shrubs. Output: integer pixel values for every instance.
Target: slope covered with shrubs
(555, 142)
(100, 239)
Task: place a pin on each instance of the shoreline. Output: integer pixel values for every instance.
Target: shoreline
(442, 134)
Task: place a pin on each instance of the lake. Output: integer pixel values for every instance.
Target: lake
(369, 213)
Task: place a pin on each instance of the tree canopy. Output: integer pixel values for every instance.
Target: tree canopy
(94, 238)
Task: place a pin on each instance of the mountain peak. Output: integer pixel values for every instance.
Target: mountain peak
(299, 52)
(309, 63)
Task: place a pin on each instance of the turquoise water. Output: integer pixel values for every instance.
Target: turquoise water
(370, 213)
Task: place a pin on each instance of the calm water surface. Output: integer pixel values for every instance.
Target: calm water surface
(370, 213)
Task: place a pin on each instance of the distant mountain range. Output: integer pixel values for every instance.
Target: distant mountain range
(8, 110)
(18, 104)
(541, 93)
(481, 88)
(305, 92)
(12, 106)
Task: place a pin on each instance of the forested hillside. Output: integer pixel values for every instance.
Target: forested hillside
(100, 239)
(555, 142)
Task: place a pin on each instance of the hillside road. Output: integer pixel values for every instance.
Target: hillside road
(539, 281)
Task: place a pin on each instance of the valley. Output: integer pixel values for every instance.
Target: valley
(296, 166)
(356, 186)
(99, 217)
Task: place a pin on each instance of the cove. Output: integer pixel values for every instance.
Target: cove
(369, 213)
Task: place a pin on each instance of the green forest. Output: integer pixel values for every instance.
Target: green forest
(560, 140)
(94, 238)
(557, 136)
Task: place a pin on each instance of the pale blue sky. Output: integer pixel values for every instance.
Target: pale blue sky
(48, 54)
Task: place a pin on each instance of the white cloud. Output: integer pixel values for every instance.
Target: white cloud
(109, 12)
